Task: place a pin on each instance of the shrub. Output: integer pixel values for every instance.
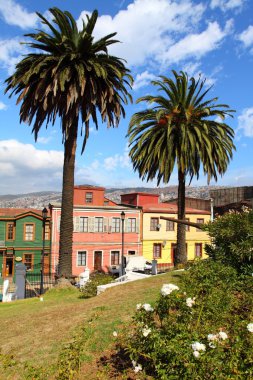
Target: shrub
(96, 279)
(232, 240)
(198, 331)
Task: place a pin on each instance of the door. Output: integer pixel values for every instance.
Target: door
(98, 260)
(173, 251)
(8, 266)
(46, 263)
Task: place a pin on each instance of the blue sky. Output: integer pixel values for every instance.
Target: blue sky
(211, 37)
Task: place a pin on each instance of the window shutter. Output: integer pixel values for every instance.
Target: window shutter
(58, 223)
(76, 222)
(105, 224)
(91, 224)
(137, 225)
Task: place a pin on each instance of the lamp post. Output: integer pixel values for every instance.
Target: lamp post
(44, 218)
(122, 216)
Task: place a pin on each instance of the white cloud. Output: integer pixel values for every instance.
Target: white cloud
(247, 37)
(226, 5)
(44, 140)
(143, 79)
(15, 14)
(147, 27)
(193, 70)
(11, 52)
(25, 168)
(118, 161)
(2, 106)
(197, 45)
(245, 122)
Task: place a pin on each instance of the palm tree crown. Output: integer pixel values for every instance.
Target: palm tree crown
(70, 76)
(182, 130)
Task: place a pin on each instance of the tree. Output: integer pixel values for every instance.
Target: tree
(182, 130)
(70, 76)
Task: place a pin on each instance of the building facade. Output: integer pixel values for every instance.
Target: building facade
(159, 236)
(98, 231)
(22, 232)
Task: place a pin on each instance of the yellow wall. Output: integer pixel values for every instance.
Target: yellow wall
(166, 238)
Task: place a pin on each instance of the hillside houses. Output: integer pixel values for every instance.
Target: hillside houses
(104, 233)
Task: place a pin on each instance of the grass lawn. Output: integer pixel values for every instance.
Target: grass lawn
(33, 333)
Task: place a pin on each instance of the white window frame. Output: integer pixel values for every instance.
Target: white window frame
(81, 223)
(131, 227)
(99, 224)
(119, 252)
(86, 259)
(116, 227)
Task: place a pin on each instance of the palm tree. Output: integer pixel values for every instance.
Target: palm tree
(181, 129)
(70, 76)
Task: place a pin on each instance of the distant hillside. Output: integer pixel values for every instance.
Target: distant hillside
(43, 198)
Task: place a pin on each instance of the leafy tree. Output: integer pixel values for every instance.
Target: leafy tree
(70, 76)
(181, 129)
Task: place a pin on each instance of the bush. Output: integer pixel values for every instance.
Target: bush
(96, 279)
(232, 240)
(198, 331)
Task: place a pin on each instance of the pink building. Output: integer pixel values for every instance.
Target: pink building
(97, 237)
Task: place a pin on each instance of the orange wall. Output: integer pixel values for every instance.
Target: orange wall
(139, 199)
(79, 195)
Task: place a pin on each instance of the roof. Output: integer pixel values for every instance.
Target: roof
(89, 187)
(141, 193)
(171, 208)
(19, 211)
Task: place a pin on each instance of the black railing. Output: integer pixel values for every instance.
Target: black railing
(33, 285)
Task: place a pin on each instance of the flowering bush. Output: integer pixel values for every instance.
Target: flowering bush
(202, 330)
(232, 240)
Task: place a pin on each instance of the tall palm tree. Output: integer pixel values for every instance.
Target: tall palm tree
(70, 76)
(181, 129)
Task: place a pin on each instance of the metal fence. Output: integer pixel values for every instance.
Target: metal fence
(36, 284)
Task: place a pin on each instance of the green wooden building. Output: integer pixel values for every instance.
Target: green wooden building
(23, 234)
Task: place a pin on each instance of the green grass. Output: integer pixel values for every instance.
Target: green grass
(33, 333)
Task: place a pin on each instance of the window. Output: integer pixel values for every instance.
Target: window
(187, 228)
(114, 257)
(83, 225)
(170, 226)
(200, 221)
(47, 231)
(157, 250)
(29, 231)
(198, 249)
(115, 225)
(81, 258)
(131, 225)
(28, 261)
(88, 197)
(154, 224)
(131, 253)
(99, 224)
(10, 231)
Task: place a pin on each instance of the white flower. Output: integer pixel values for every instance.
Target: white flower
(212, 337)
(138, 306)
(115, 333)
(250, 327)
(196, 354)
(137, 368)
(196, 346)
(147, 307)
(146, 331)
(212, 345)
(190, 301)
(168, 288)
(223, 335)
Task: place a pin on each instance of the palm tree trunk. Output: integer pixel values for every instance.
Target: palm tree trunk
(181, 255)
(66, 226)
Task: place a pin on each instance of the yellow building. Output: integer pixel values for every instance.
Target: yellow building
(159, 236)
